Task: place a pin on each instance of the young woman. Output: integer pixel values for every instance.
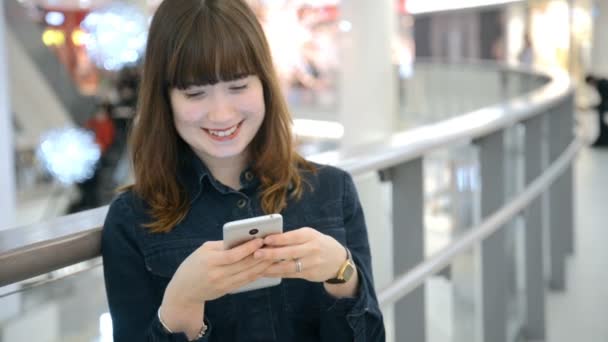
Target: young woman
(212, 143)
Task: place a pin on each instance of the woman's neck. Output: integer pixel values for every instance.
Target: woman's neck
(227, 170)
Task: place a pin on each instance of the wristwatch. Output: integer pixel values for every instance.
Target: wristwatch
(346, 270)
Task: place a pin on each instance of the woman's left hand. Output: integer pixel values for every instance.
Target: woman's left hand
(319, 255)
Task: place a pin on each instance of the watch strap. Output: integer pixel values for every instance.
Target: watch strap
(338, 279)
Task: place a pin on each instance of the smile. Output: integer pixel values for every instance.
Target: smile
(224, 134)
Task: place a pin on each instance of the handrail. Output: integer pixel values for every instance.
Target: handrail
(418, 274)
(29, 251)
(416, 142)
(45, 247)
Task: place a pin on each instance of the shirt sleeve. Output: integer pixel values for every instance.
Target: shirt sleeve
(358, 318)
(132, 295)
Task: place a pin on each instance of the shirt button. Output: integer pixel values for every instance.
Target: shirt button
(248, 176)
(241, 203)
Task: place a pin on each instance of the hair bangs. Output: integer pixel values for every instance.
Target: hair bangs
(211, 51)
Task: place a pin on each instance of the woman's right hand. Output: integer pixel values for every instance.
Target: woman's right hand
(209, 273)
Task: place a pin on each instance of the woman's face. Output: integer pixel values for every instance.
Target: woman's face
(219, 121)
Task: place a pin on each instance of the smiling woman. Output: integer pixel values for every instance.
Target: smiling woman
(213, 143)
(200, 48)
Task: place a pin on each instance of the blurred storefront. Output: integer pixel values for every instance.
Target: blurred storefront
(305, 38)
(561, 33)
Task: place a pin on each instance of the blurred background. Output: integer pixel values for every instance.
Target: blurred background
(68, 69)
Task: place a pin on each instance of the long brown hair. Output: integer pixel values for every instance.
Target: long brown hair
(203, 42)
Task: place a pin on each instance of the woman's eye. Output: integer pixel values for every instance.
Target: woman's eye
(194, 94)
(239, 87)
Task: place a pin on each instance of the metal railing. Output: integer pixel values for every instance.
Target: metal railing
(546, 115)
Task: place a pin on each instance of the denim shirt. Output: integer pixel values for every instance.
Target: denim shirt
(138, 265)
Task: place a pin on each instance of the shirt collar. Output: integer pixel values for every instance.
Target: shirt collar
(198, 172)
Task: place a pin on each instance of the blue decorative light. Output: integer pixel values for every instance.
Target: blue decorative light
(54, 18)
(69, 154)
(117, 35)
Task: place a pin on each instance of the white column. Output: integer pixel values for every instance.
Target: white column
(11, 305)
(7, 163)
(368, 111)
(599, 54)
(368, 81)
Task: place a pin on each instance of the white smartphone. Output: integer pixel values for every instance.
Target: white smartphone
(241, 231)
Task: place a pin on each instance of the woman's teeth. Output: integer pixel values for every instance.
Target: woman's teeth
(225, 133)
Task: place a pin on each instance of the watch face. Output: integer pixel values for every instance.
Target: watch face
(348, 272)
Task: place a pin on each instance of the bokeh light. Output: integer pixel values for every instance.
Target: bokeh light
(69, 154)
(54, 18)
(79, 37)
(52, 37)
(117, 35)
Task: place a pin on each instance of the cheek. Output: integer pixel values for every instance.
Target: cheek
(184, 112)
(186, 116)
(253, 102)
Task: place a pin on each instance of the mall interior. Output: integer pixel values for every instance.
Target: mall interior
(476, 139)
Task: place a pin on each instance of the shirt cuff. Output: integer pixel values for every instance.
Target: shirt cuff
(350, 306)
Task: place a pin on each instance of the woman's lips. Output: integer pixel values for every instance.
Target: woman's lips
(224, 135)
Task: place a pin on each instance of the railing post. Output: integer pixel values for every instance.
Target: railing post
(561, 234)
(462, 270)
(534, 152)
(492, 251)
(408, 246)
(567, 134)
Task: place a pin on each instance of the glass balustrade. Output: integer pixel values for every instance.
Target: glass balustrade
(68, 305)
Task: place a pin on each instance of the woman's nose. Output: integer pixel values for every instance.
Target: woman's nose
(221, 109)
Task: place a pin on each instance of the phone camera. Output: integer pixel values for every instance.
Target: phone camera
(253, 231)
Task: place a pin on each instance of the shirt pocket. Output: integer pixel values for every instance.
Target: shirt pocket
(302, 296)
(163, 260)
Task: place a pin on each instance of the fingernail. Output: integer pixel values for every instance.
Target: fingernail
(268, 241)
